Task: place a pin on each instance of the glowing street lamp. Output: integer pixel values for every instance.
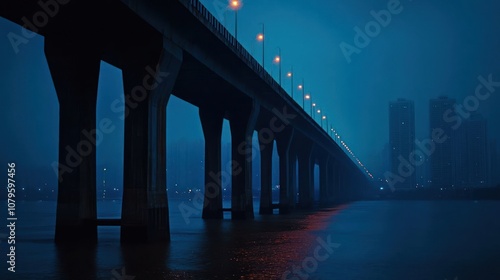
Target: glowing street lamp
(319, 113)
(277, 60)
(334, 134)
(302, 88)
(290, 75)
(308, 97)
(261, 37)
(313, 106)
(235, 5)
(322, 118)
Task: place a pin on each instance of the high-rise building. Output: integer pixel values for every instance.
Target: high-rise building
(477, 151)
(442, 160)
(460, 156)
(402, 139)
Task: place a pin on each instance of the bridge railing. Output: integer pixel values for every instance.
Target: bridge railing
(202, 13)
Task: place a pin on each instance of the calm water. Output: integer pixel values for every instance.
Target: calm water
(364, 240)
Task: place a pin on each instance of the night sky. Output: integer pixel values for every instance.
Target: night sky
(430, 48)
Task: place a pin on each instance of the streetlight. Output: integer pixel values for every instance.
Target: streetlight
(335, 135)
(290, 75)
(235, 6)
(277, 60)
(319, 112)
(261, 38)
(302, 88)
(307, 97)
(313, 105)
(322, 118)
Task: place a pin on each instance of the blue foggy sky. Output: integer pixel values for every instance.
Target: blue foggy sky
(431, 48)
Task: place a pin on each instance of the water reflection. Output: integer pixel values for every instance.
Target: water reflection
(76, 261)
(263, 248)
(402, 240)
(145, 261)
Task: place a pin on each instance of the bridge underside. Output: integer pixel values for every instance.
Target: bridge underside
(201, 71)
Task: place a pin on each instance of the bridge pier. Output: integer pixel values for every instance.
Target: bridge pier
(266, 171)
(340, 186)
(355, 186)
(212, 119)
(149, 78)
(343, 184)
(292, 187)
(348, 186)
(324, 186)
(75, 76)
(286, 167)
(333, 180)
(306, 175)
(242, 124)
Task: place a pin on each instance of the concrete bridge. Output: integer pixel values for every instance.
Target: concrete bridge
(163, 48)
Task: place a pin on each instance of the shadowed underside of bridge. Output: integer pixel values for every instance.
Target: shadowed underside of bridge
(163, 48)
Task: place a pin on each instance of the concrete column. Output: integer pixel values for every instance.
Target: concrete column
(75, 75)
(331, 183)
(355, 185)
(148, 82)
(306, 175)
(284, 143)
(292, 188)
(345, 185)
(350, 186)
(342, 184)
(323, 180)
(266, 175)
(242, 124)
(211, 121)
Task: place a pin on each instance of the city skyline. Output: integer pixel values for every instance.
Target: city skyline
(464, 156)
